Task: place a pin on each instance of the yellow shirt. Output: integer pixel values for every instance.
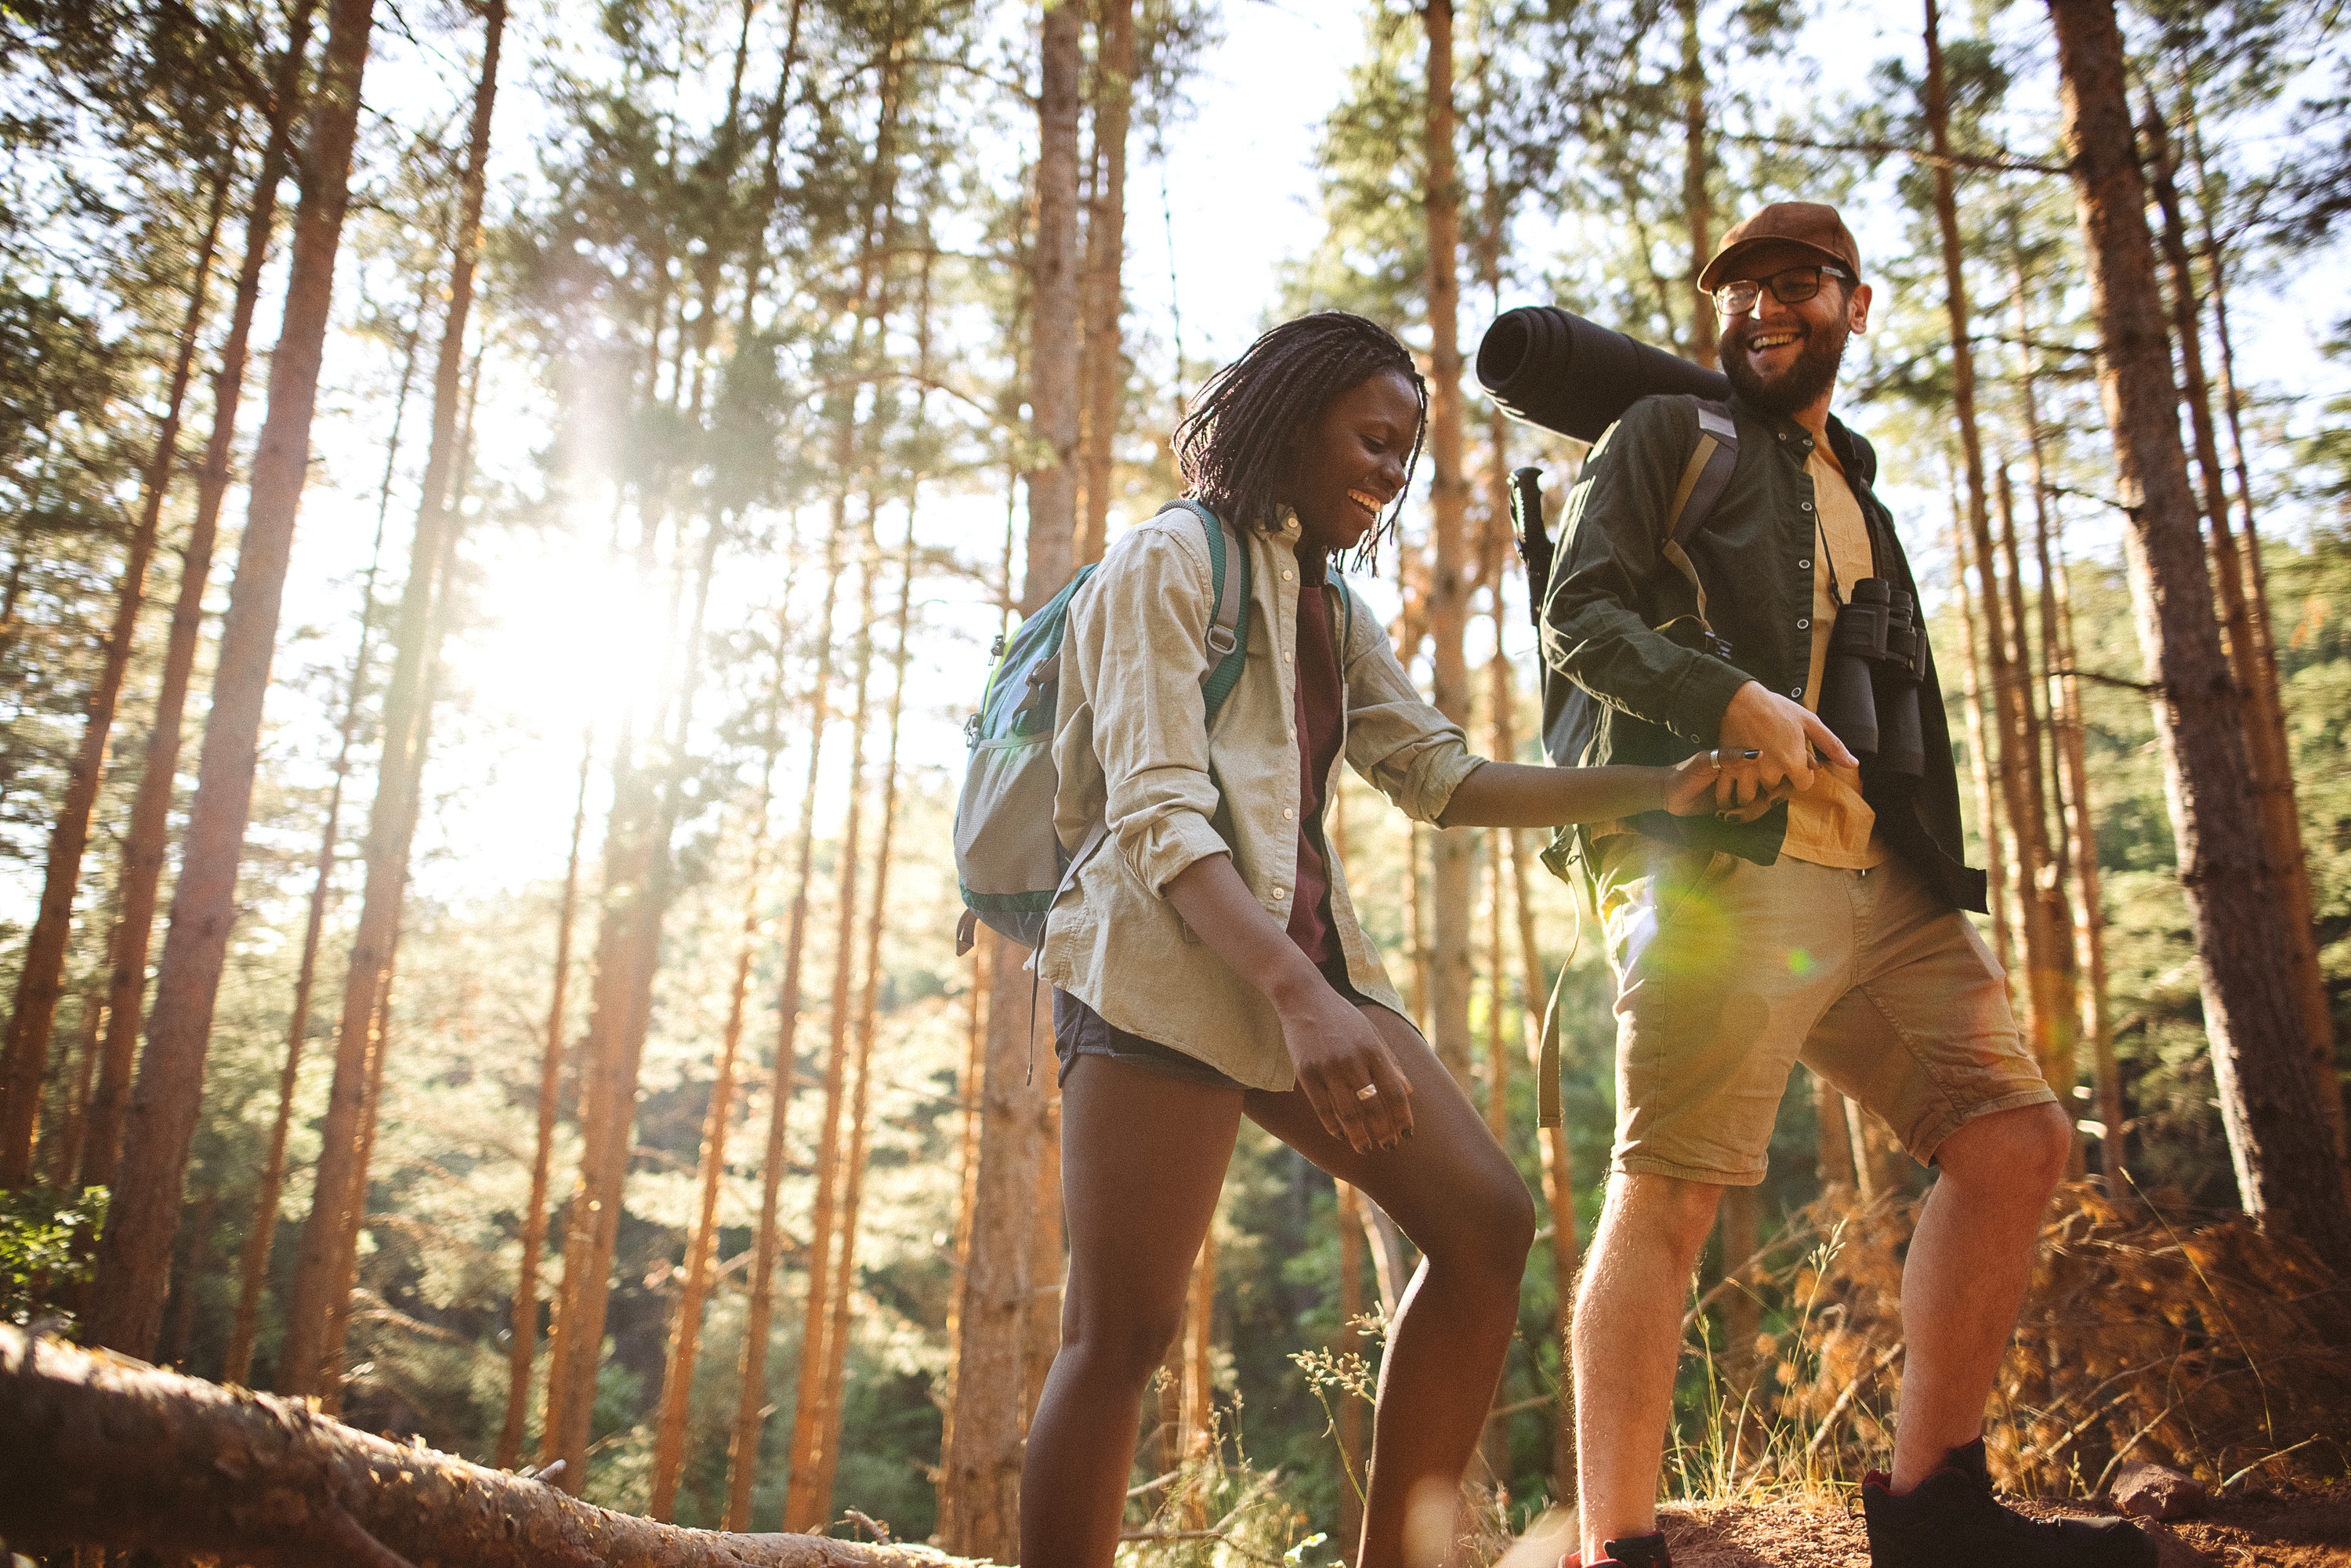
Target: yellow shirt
(1830, 824)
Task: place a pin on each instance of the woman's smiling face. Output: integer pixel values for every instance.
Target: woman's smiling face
(1351, 462)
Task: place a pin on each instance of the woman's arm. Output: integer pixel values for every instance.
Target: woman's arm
(1513, 795)
(1335, 1051)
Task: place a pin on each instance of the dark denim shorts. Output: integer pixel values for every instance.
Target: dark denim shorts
(1079, 1031)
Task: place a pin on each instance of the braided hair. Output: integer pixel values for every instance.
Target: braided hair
(1235, 447)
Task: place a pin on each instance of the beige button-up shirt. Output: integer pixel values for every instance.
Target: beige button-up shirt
(1132, 747)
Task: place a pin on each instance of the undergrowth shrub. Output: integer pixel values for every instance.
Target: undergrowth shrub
(2150, 1334)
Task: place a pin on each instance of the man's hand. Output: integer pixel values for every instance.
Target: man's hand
(1787, 734)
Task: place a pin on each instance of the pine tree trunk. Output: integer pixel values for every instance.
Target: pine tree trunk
(1980, 763)
(1697, 205)
(1454, 884)
(1832, 1135)
(2268, 752)
(146, 842)
(523, 1325)
(96, 1453)
(979, 1502)
(751, 1370)
(1350, 1342)
(2055, 977)
(40, 979)
(646, 800)
(134, 1254)
(2051, 1027)
(2278, 1138)
(702, 1245)
(802, 1509)
(322, 1276)
(261, 1233)
(1105, 301)
(62, 1156)
(1199, 1381)
(867, 1014)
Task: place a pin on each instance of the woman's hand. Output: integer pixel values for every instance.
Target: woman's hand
(1338, 1054)
(1689, 783)
(1335, 1051)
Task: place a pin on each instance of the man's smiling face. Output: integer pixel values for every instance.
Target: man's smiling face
(1783, 357)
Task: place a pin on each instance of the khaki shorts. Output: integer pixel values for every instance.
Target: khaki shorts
(1728, 973)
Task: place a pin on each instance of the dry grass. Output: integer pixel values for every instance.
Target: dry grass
(2199, 1342)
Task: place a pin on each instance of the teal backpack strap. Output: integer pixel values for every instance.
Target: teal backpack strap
(1228, 633)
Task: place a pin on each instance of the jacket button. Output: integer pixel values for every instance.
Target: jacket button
(1288, 812)
(1808, 507)
(1803, 566)
(1803, 624)
(1280, 893)
(1285, 576)
(1795, 691)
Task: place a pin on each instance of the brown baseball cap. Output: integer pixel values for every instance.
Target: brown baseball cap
(1814, 226)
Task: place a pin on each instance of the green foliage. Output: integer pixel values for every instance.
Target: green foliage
(43, 1251)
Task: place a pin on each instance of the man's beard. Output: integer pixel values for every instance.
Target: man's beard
(1800, 385)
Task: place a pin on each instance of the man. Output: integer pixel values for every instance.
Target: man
(1816, 918)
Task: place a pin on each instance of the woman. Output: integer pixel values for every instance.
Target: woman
(1207, 960)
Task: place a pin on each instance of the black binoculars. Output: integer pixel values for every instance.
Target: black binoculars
(1869, 692)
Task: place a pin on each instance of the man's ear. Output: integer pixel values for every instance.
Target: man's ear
(1856, 308)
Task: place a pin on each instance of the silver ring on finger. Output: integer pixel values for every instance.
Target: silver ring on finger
(1368, 1092)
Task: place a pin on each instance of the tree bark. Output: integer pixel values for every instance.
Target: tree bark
(40, 979)
(261, 1233)
(523, 1324)
(97, 1451)
(147, 841)
(868, 1013)
(1696, 203)
(1105, 301)
(2054, 977)
(1981, 762)
(2052, 1027)
(1454, 884)
(134, 1254)
(751, 1370)
(323, 1274)
(979, 1494)
(802, 1509)
(1348, 1211)
(702, 1246)
(2268, 752)
(2278, 1138)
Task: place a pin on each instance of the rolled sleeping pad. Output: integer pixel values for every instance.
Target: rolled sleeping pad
(1552, 368)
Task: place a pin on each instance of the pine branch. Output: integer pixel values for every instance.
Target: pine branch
(101, 1450)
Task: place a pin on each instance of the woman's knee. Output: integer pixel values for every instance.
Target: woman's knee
(1489, 1229)
(1127, 1343)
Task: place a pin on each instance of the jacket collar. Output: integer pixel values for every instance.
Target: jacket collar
(1853, 455)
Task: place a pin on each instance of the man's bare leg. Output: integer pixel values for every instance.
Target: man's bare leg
(1966, 1275)
(1628, 1316)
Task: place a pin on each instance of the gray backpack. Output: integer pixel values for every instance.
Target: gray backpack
(1009, 863)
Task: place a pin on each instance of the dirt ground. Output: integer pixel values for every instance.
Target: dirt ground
(2247, 1530)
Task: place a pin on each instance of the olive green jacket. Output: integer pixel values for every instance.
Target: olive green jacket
(1620, 623)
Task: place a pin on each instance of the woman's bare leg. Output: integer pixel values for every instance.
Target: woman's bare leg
(1143, 1158)
(1456, 1194)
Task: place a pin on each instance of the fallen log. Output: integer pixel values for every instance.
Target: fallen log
(100, 1450)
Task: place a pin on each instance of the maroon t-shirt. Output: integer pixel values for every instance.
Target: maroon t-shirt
(1320, 710)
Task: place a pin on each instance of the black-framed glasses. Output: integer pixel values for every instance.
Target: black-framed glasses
(1788, 285)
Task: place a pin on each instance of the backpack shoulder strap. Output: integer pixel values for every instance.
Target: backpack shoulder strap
(1703, 478)
(1228, 581)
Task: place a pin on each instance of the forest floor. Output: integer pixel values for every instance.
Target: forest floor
(2247, 1530)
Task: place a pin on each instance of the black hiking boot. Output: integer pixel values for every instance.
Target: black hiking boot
(1951, 1520)
(1635, 1552)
